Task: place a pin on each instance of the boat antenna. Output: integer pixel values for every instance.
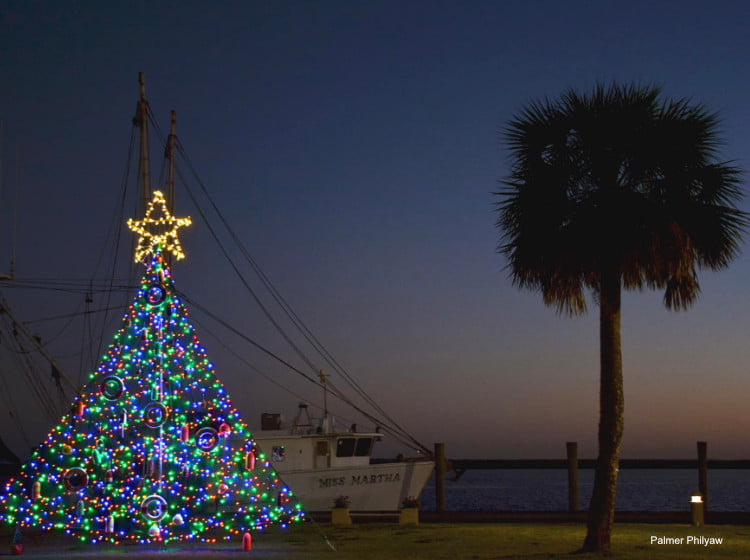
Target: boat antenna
(323, 376)
(141, 121)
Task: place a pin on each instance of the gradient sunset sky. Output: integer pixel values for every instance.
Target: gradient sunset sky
(355, 147)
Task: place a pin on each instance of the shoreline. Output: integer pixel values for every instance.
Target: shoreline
(461, 517)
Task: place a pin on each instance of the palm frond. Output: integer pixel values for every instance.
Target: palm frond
(618, 173)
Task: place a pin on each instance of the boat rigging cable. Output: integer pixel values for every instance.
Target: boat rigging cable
(17, 338)
(35, 341)
(116, 227)
(335, 391)
(206, 330)
(393, 427)
(111, 285)
(108, 287)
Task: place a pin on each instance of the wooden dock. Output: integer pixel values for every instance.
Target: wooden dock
(460, 466)
(485, 464)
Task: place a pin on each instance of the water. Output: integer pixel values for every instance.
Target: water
(547, 490)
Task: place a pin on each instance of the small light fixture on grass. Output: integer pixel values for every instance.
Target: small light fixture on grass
(696, 509)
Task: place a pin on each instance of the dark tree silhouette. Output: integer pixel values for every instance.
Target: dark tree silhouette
(616, 189)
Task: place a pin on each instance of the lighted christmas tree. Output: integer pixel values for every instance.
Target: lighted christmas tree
(153, 449)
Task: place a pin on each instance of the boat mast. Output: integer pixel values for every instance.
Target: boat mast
(141, 121)
(171, 143)
(171, 170)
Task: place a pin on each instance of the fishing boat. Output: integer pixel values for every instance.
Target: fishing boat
(317, 459)
(321, 463)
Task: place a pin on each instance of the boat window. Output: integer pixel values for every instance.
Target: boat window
(345, 447)
(321, 448)
(364, 446)
(279, 452)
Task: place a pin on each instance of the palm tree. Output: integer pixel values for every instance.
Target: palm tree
(610, 190)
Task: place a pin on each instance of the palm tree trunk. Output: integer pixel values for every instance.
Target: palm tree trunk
(611, 413)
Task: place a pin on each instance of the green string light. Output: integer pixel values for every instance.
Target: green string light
(138, 478)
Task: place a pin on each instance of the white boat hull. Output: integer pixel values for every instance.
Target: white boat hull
(374, 487)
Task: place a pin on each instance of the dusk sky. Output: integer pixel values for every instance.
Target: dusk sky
(354, 146)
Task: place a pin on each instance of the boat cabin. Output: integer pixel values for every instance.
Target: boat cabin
(303, 446)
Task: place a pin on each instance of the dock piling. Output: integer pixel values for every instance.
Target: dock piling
(703, 472)
(572, 452)
(440, 477)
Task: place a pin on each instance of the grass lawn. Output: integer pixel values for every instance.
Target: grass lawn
(434, 541)
(523, 541)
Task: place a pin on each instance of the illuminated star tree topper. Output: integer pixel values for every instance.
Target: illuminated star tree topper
(158, 230)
